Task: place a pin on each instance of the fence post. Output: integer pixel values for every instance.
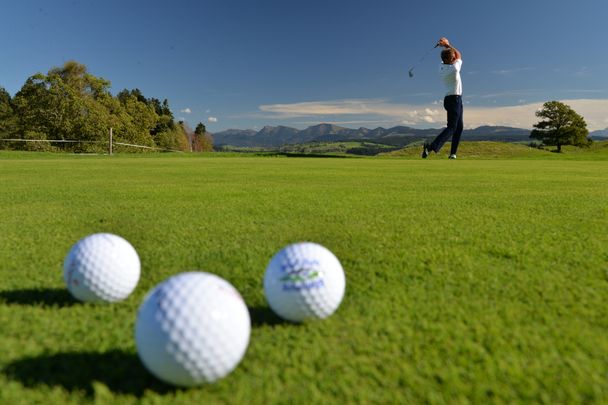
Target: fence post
(110, 144)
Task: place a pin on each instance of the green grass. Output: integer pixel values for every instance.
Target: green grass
(468, 281)
(502, 150)
(338, 148)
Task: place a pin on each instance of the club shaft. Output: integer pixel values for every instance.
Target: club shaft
(423, 57)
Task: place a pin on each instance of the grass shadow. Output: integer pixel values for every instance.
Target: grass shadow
(120, 371)
(264, 316)
(45, 297)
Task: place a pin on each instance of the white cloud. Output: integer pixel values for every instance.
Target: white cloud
(510, 72)
(378, 110)
(212, 119)
(595, 112)
(186, 111)
(334, 107)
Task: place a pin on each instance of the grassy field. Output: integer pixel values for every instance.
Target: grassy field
(501, 150)
(480, 281)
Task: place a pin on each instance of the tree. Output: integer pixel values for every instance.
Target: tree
(46, 105)
(561, 125)
(200, 129)
(139, 120)
(202, 141)
(174, 139)
(67, 103)
(7, 116)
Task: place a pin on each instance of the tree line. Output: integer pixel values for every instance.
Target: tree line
(70, 104)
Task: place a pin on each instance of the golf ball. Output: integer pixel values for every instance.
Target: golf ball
(192, 328)
(304, 281)
(101, 268)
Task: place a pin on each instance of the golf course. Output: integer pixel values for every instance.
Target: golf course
(477, 280)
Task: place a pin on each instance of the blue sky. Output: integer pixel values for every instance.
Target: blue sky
(246, 64)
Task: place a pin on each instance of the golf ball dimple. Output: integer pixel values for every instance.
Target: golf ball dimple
(304, 281)
(101, 267)
(192, 328)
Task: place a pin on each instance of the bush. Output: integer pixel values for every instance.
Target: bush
(38, 142)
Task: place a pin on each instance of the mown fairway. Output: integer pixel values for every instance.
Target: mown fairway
(467, 281)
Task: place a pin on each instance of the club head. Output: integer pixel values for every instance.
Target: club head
(411, 73)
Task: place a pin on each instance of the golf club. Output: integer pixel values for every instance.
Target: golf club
(411, 71)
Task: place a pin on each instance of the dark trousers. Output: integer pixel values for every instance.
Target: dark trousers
(453, 105)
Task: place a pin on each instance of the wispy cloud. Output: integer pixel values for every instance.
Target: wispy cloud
(364, 107)
(378, 111)
(512, 71)
(212, 120)
(583, 71)
(343, 122)
(508, 93)
(333, 107)
(579, 72)
(186, 111)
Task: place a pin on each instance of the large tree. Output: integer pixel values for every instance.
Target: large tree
(560, 125)
(7, 117)
(66, 103)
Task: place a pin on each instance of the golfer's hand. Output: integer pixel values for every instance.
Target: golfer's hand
(444, 42)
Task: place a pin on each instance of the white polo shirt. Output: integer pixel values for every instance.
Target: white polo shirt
(450, 74)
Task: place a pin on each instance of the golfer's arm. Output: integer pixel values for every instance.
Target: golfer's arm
(458, 54)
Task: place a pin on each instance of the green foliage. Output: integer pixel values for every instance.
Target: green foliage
(561, 125)
(494, 300)
(64, 104)
(200, 129)
(139, 119)
(36, 142)
(154, 119)
(69, 103)
(173, 139)
(7, 116)
(201, 139)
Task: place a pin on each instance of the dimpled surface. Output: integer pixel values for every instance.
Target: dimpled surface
(101, 268)
(304, 281)
(193, 328)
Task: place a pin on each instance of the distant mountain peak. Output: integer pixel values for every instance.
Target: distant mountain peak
(275, 136)
(601, 133)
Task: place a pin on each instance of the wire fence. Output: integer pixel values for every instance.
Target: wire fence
(73, 141)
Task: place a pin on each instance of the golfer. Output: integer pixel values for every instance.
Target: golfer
(449, 71)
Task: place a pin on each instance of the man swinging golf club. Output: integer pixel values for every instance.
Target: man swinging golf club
(449, 71)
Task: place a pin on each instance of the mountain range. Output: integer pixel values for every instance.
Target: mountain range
(602, 134)
(271, 136)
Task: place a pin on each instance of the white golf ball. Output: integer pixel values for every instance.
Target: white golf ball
(101, 268)
(304, 281)
(192, 328)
